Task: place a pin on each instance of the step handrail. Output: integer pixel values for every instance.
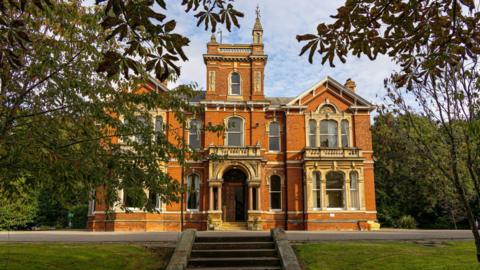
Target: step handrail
(285, 251)
(183, 249)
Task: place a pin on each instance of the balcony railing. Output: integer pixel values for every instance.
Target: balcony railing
(332, 153)
(235, 151)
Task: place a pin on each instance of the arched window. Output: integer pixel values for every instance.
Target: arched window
(329, 133)
(345, 134)
(158, 128)
(355, 200)
(235, 131)
(274, 137)
(275, 193)
(194, 134)
(193, 192)
(316, 190)
(312, 133)
(235, 82)
(334, 190)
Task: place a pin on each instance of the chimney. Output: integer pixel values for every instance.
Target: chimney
(351, 85)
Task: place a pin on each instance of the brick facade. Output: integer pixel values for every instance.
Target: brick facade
(258, 183)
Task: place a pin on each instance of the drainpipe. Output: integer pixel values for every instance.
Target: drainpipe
(303, 198)
(182, 181)
(285, 172)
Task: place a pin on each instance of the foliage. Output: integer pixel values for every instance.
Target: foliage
(406, 222)
(387, 255)
(68, 129)
(422, 36)
(18, 212)
(82, 256)
(405, 182)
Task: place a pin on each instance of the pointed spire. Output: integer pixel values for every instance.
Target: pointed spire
(213, 38)
(258, 24)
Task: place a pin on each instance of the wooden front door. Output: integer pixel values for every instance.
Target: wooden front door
(234, 196)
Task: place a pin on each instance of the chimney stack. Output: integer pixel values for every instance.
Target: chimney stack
(351, 85)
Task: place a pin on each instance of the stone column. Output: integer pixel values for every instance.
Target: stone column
(348, 200)
(258, 198)
(250, 198)
(211, 199)
(219, 198)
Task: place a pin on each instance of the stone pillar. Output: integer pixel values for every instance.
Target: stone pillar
(258, 198)
(348, 200)
(211, 199)
(219, 198)
(250, 198)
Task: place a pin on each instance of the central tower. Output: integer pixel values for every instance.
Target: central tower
(235, 72)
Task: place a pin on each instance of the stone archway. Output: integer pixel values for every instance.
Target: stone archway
(234, 199)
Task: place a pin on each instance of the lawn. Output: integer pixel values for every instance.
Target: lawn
(387, 255)
(82, 256)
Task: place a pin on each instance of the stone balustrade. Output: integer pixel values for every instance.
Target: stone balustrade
(235, 151)
(311, 153)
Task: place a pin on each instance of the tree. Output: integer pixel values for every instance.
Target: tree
(20, 211)
(436, 44)
(422, 36)
(69, 120)
(407, 184)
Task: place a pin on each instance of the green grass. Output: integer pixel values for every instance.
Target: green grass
(82, 256)
(387, 255)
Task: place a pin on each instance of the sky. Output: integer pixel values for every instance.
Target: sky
(287, 74)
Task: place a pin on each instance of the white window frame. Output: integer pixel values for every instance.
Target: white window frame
(335, 189)
(317, 190)
(242, 132)
(155, 126)
(276, 192)
(345, 135)
(270, 136)
(198, 135)
(230, 84)
(329, 134)
(132, 209)
(92, 203)
(355, 190)
(197, 191)
(310, 134)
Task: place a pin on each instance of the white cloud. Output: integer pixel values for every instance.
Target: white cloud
(287, 74)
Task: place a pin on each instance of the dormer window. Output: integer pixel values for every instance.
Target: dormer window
(235, 88)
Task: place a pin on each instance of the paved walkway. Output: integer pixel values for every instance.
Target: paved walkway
(171, 237)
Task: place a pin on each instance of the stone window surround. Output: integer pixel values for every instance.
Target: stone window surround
(242, 130)
(346, 189)
(230, 83)
(282, 185)
(189, 120)
(280, 132)
(319, 116)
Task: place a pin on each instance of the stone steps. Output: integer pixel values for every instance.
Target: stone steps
(225, 253)
(233, 226)
(234, 252)
(233, 245)
(234, 261)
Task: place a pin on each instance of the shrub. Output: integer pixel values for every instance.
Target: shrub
(406, 222)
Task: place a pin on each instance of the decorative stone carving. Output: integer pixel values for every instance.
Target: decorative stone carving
(258, 81)
(211, 81)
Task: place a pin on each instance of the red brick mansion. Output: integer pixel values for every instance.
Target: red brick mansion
(303, 163)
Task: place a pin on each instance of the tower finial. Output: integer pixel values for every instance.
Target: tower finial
(258, 11)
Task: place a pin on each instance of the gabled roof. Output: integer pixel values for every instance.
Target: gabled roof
(359, 101)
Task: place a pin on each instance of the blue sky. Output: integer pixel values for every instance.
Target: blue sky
(287, 73)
